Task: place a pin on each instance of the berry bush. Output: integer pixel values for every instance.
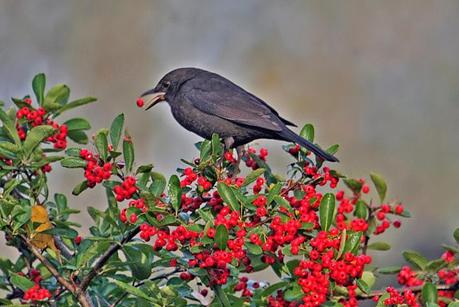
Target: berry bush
(197, 237)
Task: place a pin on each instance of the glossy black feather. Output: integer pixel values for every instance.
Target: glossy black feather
(206, 103)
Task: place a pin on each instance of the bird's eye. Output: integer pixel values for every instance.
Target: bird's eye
(166, 84)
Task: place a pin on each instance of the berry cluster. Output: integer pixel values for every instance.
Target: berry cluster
(250, 161)
(243, 286)
(126, 189)
(165, 238)
(28, 117)
(36, 293)
(258, 185)
(190, 177)
(396, 298)
(408, 277)
(95, 171)
(190, 204)
(322, 175)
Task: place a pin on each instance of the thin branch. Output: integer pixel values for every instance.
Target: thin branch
(414, 289)
(104, 258)
(82, 299)
(62, 247)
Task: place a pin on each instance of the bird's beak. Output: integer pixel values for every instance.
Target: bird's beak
(153, 97)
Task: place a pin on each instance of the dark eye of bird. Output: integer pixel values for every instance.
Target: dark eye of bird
(167, 84)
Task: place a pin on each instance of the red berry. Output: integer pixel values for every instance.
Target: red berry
(140, 102)
(365, 189)
(78, 240)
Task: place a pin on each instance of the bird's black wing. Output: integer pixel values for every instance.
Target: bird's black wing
(224, 99)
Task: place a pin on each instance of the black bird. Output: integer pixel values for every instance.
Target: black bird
(205, 103)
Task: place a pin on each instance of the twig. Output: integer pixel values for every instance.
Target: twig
(81, 297)
(62, 247)
(104, 258)
(414, 289)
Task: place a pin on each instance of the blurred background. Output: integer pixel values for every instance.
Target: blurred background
(379, 78)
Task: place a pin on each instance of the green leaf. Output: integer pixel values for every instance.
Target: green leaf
(9, 127)
(206, 216)
(379, 246)
(254, 249)
(283, 202)
(369, 278)
(415, 259)
(144, 169)
(352, 242)
(294, 293)
(116, 129)
(140, 260)
(275, 190)
(134, 291)
(354, 185)
(8, 150)
(228, 196)
(38, 86)
(158, 185)
(436, 265)
(327, 211)
(273, 288)
(78, 136)
(35, 136)
(429, 293)
(73, 162)
(217, 148)
(75, 104)
(57, 96)
(80, 188)
(175, 192)
(307, 132)
(77, 124)
(363, 286)
(380, 185)
(206, 149)
(389, 270)
(21, 282)
(332, 149)
(342, 243)
(128, 154)
(222, 297)
(101, 143)
(361, 209)
(253, 176)
(456, 235)
(221, 236)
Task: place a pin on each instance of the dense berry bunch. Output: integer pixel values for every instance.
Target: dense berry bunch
(28, 118)
(36, 293)
(126, 189)
(397, 298)
(96, 170)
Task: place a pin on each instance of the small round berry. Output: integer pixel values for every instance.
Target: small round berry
(140, 102)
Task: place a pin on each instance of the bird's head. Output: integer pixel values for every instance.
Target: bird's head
(169, 85)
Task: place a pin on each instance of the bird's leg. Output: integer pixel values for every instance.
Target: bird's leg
(229, 141)
(240, 153)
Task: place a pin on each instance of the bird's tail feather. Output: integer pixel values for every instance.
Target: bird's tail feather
(293, 137)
